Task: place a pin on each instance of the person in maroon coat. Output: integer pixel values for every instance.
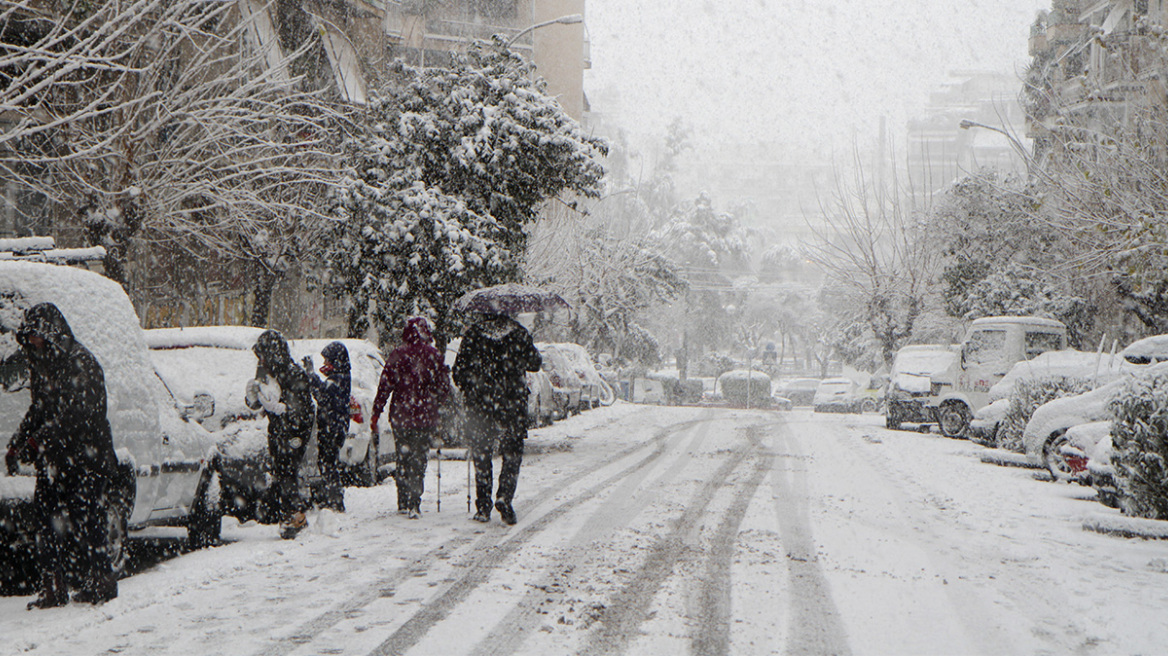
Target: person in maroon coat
(419, 382)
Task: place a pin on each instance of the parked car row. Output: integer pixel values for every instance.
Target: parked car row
(1069, 435)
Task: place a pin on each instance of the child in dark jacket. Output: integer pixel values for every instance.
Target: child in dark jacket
(332, 394)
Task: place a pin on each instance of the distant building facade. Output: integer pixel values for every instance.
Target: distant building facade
(939, 151)
(1097, 66)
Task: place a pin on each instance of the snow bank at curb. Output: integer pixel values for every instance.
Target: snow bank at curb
(1004, 458)
(1126, 527)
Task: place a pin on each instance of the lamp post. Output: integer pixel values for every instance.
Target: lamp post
(570, 19)
(965, 124)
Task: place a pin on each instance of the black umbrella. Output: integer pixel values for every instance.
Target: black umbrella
(510, 299)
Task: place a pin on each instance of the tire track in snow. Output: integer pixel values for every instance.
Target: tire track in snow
(620, 619)
(624, 504)
(491, 556)
(385, 586)
(714, 599)
(815, 626)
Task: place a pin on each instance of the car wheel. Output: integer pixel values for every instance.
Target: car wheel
(953, 418)
(205, 523)
(868, 405)
(120, 504)
(892, 419)
(1053, 458)
(117, 526)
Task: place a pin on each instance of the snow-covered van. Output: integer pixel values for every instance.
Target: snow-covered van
(166, 462)
(990, 348)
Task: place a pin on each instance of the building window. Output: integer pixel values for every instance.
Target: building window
(496, 9)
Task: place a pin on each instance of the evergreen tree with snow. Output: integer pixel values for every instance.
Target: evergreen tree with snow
(447, 175)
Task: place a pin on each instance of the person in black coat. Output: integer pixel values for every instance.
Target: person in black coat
(490, 370)
(281, 388)
(332, 418)
(66, 433)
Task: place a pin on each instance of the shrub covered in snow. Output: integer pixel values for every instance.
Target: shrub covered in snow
(1139, 449)
(1028, 395)
(734, 388)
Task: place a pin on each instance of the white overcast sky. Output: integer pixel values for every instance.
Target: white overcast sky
(811, 74)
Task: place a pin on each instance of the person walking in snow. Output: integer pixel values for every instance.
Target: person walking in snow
(66, 433)
(419, 383)
(490, 370)
(281, 388)
(332, 418)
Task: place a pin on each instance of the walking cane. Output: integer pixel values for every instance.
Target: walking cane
(467, 478)
(439, 486)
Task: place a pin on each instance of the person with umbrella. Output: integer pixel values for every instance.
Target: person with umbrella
(496, 352)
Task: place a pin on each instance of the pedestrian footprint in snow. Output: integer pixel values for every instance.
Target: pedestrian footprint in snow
(332, 417)
(419, 382)
(66, 434)
(281, 388)
(490, 370)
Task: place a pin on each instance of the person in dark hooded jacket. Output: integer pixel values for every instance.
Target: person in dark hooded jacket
(489, 369)
(419, 382)
(281, 388)
(332, 418)
(66, 432)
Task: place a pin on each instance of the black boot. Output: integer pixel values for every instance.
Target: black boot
(483, 512)
(98, 590)
(53, 592)
(506, 513)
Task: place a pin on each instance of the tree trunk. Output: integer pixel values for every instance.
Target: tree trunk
(358, 318)
(265, 282)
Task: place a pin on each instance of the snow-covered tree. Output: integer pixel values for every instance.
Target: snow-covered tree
(869, 241)
(162, 122)
(410, 250)
(700, 237)
(1017, 290)
(468, 153)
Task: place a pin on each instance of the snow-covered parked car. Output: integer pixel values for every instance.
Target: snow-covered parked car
(574, 376)
(217, 362)
(167, 464)
(1100, 471)
(1095, 368)
(841, 394)
(800, 391)
(911, 382)
(1046, 436)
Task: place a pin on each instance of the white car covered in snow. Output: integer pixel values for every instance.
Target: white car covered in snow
(1097, 368)
(911, 383)
(215, 362)
(167, 462)
(1047, 433)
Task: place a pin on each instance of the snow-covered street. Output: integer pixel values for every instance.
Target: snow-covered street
(657, 530)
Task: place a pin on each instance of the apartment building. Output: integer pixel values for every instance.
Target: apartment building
(939, 151)
(552, 33)
(1096, 66)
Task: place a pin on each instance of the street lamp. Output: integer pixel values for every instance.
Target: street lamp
(965, 124)
(570, 19)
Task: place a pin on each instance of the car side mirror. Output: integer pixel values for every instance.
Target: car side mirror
(963, 358)
(203, 407)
